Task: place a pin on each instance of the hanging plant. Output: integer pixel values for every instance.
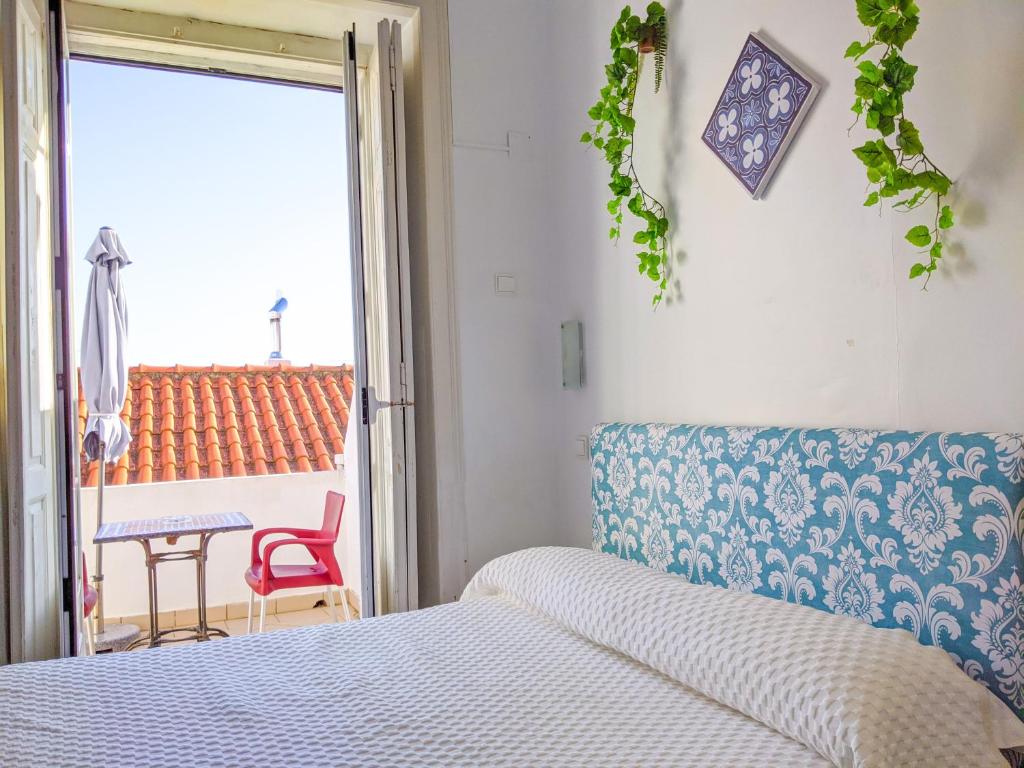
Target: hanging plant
(631, 39)
(900, 169)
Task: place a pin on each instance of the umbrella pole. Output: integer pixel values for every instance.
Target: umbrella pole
(97, 578)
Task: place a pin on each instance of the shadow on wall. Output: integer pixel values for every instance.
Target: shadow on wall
(675, 130)
(988, 170)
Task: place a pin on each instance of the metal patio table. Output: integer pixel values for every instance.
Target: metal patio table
(172, 528)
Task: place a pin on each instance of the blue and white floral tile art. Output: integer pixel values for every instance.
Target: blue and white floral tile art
(760, 110)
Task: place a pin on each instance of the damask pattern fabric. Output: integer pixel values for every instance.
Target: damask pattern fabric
(857, 695)
(920, 531)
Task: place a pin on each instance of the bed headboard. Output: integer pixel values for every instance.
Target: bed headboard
(899, 529)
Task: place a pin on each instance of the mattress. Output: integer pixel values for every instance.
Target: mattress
(498, 679)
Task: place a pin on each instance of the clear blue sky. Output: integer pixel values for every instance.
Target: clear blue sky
(223, 192)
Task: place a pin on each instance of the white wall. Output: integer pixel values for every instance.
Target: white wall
(507, 344)
(295, 501)
(795, 309)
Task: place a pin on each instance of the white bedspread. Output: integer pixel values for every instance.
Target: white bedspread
(491, 681)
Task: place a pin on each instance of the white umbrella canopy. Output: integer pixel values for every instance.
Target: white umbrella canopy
(104, 371)
(104, 360)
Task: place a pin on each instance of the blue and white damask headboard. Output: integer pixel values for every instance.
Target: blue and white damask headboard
(899, 529)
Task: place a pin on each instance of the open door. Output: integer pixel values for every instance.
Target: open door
(33, 538)
(68, 469)
(380, 258)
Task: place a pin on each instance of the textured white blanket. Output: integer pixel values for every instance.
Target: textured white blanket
(541, 664)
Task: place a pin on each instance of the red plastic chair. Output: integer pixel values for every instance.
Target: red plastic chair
(89, 599)
(264, 579)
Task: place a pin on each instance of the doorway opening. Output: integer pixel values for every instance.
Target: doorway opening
(230, 198)
(262, 39)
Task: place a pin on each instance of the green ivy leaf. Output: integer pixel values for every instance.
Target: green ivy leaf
(920, 236)
(627, 56)
(586, 138)
(641, 238)
(898, 74)
(871, 200)
(870, 71)
(870, 12)
(909, 139)
(936, 250)
(870, 155)
(864, 88)
(911, 201)
(946, 217)
(899, 34)
(886, 125)
(933, 180)
(917, 270)
(856, 49)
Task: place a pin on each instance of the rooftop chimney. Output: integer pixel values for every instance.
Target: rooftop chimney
(275, 331)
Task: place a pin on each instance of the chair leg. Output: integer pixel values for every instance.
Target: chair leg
(90, 637)
(344, 604)
(252, 600)
(330, 602)
(263, 611)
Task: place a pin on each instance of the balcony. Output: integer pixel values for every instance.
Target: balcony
(252, 439)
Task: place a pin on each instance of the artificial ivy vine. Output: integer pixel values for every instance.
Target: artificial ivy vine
(901, 169)
(614, 123)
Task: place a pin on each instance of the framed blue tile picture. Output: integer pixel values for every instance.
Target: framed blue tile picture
(760, 110)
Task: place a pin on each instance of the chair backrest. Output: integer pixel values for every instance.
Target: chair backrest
(334, 504)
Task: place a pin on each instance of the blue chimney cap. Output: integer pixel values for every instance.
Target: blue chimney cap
(280, 305)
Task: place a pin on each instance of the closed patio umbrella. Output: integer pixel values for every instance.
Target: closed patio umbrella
(104, 370)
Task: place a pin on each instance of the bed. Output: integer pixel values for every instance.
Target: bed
(871, 615)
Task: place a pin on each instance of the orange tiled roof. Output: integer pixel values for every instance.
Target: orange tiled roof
(189, 423)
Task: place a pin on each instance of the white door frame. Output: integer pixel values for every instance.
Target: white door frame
(440, 475)
(442, 528)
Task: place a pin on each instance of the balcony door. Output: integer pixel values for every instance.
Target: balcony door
(383, 320)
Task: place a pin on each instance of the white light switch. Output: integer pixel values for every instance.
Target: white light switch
(582, 446)
(505, 285)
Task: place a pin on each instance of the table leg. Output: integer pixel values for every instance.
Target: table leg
(154, 617)
(201, 633)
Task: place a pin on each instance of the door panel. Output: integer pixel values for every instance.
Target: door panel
(385, 374)
(34, 575)
(66, 410)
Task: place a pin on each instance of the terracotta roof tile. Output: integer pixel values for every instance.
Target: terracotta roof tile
(189, 423)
